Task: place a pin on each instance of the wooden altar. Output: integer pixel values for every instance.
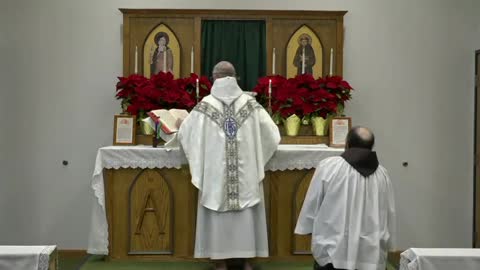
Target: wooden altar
(152, 213)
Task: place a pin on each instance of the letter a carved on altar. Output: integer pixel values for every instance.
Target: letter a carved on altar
(149, 209)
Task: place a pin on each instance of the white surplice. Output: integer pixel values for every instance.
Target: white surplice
(227, 139)
(351, 217)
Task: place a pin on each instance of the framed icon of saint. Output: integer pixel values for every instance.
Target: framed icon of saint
(161, 52)
(304, 53)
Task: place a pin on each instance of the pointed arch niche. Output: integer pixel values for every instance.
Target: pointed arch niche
(313, 53)
(151, 216)
(151, 51)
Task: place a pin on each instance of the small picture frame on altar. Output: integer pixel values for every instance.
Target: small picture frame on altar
(124, 129)
(339, 127)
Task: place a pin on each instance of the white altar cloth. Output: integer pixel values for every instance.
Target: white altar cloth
(25, 257)
(440, 259)
(287, 157)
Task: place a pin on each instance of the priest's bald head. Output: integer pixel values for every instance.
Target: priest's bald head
(360, 137)
(223, 69)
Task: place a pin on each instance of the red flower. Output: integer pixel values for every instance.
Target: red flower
(308, 108)
(332, 85)
(262, 88)
(189, 85)
(345, 85)
(126, 85)
(140, 94)
(286, 112)
(304, 79)
(303, 95)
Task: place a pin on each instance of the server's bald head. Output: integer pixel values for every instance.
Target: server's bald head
(223, 69)
(360, 137)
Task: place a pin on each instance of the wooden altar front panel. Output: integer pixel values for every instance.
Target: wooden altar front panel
(151, 214)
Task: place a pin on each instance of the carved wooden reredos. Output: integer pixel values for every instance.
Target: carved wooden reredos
(284, 30)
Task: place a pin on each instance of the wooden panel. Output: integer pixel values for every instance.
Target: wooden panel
(282, 186)
(186, 24)
(325, 29)
(393, 258)
(338, 60)
(72, 253)
(301, 243)
(284, 192)
(185, 196)
(140, 27)
(147, 140)
(151, 215)
(53, 263)
(304, 140)
(117, 186)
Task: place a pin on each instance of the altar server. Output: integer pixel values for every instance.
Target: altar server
(349, 208)
(228, 138)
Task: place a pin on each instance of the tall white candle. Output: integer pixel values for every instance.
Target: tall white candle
(331, 62)
(152, 50)
(273, 62)
(192, 56)
(165, 59)
(270, 96)
(197, 90)
(136, 59)
(303, 60)
(270, 88)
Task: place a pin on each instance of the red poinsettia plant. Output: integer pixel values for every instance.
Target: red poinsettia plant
(303, 95)
(337, 86)
(127, 88)
(262, 87)
(189, 85)
(140, 95)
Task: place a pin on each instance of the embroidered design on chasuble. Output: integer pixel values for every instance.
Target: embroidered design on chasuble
(230, 123)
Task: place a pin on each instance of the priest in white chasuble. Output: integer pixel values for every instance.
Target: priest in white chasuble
(228, 138)
(349, 208)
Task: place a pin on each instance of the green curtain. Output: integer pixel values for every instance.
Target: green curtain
(240, 42)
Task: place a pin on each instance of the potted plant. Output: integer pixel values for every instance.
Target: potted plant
(290, 102)
(329, 101)
(140, 95)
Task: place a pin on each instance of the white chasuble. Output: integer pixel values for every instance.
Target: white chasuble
(228, 138)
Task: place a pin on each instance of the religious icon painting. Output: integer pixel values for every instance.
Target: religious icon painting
(161, 52)
(304, 53)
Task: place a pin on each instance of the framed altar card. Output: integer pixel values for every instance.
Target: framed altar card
(339, 127)
(124, 130)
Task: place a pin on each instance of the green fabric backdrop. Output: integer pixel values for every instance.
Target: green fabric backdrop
(242, 43)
